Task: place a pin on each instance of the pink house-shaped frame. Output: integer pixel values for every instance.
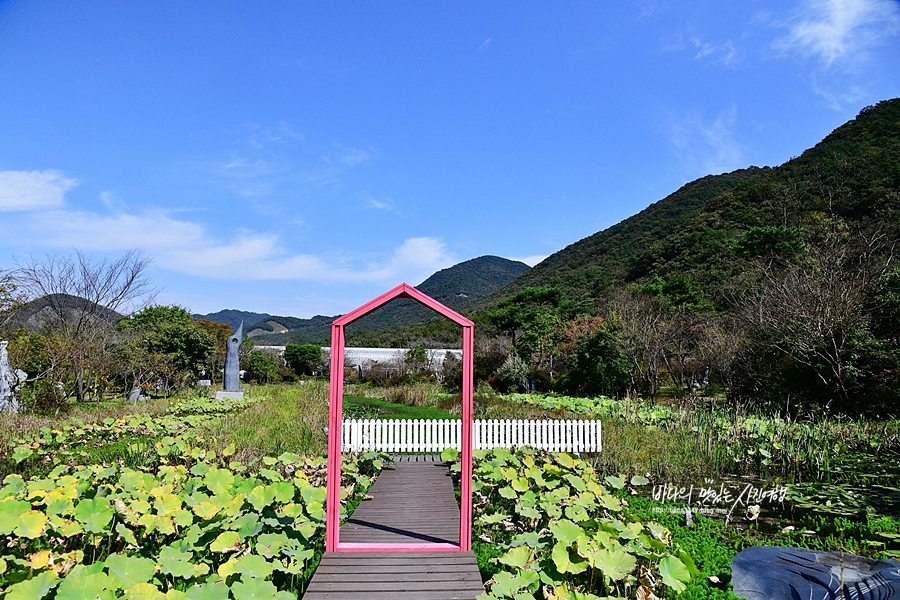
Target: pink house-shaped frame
(335, 415)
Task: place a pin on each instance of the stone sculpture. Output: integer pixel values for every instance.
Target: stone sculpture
(10, 382)
(232, 376)
(766, 572)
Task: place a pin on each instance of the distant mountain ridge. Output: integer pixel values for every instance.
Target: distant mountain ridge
(49, 309)
(235, 317)
(456, 287)
(697, 232)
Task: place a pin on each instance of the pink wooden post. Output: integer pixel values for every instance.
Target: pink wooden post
(335, 411)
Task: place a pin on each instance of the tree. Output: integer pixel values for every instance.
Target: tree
(813, 309)
(302, 358)
(645, 327)
(167, 339)
(82, 298)
(598, 364)
(261, 367)
(533, 317)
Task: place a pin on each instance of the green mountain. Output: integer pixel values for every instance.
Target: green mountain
(456, 287)
(705, 233)
(235, 317)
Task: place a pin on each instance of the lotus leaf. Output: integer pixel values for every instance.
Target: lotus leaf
(254, 565)
(261, 496)
(72, 528)
(552, 509)
(31, 524)
(563, 560)
(182, 517)
(166, 503)
(129, 570)
(292, 510)
(307, 530)
(246, 525)
(311, 494)
(253, 589)
(178, 564)
(520, 484)
(83, 585)
(94, 514)
(507, 584)
(270, 544)
(528, 538)
(492, 519)
(576, 513)
(39, 559)
(144, 591)
(10, 510)
(219, 481)
(576, 482)
(140, 506)
(316, 511)
(21, 453)
(32, 589)
(517, 557)
(615, 482)
(566, 460)
(133, 481)
(208, 591)
(528, 512)
(284, 491)
(227, 541)
(566, 531)
(674, 573)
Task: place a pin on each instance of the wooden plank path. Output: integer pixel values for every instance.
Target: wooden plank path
(412, 502)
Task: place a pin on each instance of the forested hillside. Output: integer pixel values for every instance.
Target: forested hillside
(455, 287)
(703, 229)
(775, 285)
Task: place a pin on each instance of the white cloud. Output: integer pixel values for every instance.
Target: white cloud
(485, 44)
(531, 260)
(30, 190)
(380, 204)
(836, 30)
(707, 147)
(186, 247)
(716, 53)
(347, 155)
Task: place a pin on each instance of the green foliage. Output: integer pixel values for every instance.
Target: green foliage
(357, 407)
(261, 367)
(511, 374)
(599, 367)
(195, 524)
(771, 241)
(166, 341)
(562, 532)
(303, 358)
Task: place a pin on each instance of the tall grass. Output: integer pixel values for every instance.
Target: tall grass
(20, 426)
(290, 419)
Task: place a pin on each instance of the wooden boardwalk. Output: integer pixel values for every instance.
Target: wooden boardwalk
(412, 502)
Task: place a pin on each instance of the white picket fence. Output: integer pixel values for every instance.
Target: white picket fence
(433, 435)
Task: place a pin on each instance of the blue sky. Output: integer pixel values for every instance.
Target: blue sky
(300, 158)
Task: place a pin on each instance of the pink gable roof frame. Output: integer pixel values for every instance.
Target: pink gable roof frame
(335, 412)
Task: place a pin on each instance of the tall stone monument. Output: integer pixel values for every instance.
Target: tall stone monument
(232, 375)
(10, 381)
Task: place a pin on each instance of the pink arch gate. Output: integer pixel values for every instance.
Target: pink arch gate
(335, 417)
